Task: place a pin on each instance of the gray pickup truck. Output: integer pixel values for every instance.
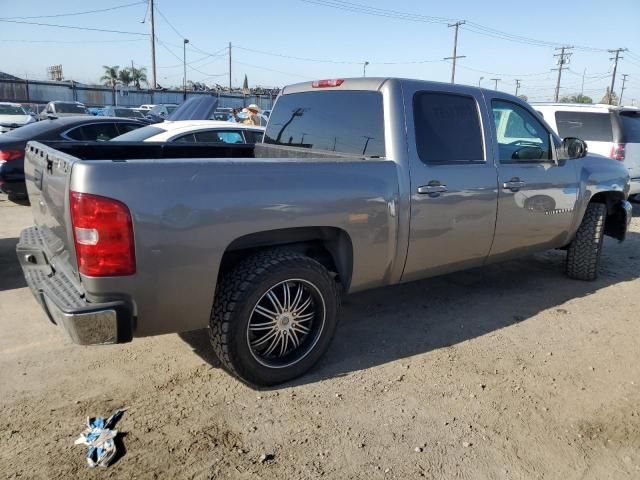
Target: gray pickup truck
(358, 184)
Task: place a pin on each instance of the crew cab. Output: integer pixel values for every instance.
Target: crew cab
(358, 183)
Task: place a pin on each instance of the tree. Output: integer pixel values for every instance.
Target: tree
(110, 78)
(245, 85)
(577, 98)
(138, 76)
(610, 98)
(124, 76)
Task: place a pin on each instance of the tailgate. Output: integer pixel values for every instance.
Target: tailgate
(47, 175)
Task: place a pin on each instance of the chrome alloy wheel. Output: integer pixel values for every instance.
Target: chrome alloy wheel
(286, 323)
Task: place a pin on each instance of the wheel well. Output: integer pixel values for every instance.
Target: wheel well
(615, 225)
(330, 246)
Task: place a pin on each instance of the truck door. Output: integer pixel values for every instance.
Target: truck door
(538, 194)
(453, 180)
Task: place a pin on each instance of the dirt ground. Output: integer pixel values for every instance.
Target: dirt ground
(507, 372)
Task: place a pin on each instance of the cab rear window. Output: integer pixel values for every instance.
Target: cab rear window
(347, 122)
(593, 126)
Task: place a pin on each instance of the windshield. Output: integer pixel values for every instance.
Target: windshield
(631, 125)
(138, 135)
(12, 110)
(346, 122)
(70, 108)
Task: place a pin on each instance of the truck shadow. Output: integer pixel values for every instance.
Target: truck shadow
(384, 325)
(10, 272)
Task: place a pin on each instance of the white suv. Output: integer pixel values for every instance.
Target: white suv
(610, 131)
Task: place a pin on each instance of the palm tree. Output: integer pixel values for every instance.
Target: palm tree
(110, 78)
(138, 76)
(125, 76)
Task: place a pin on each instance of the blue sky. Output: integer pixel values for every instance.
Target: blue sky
(335, 41)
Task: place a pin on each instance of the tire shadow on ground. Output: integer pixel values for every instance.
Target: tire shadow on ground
(10, 271)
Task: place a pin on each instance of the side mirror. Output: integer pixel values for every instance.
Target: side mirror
(572, 148)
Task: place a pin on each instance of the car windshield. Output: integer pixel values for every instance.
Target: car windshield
(138, 135)
(70, 108)
(12, 110)
(631, 125)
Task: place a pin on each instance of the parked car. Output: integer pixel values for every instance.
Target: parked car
(122, 112)
(258, 242)
(63, 109)
(146, 107)
(95, 110)
(12, 116)
(159, 113)
(194, 131)
(75, 128)
(610, 131)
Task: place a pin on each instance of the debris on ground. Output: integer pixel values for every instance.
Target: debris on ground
(99, 437)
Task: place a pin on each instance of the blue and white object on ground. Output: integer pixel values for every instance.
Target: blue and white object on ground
(99, 437)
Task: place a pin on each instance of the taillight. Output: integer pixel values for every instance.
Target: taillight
(8, 155)
(327, 83)
(103, 236)
(617, 151)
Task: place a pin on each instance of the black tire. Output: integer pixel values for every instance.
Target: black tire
(583, 254)
(239, 292)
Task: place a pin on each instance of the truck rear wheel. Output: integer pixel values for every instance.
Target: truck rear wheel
(273, 317)
(583, 254)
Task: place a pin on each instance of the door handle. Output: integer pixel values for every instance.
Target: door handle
(514, 184)
(434, 190)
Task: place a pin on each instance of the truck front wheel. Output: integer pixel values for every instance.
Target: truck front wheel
(273, 317)
(583, 254)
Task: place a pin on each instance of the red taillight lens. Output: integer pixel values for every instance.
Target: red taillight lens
(618, 151)
(327, 83)
(8, 155)
(103, 236)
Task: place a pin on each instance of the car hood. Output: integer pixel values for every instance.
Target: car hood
(196, 108)
(14, 119)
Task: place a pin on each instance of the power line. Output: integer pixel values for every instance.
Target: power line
(117, 7)
(74, 42)
(207, 75)
(413, 17)
(272, 70)
(73, 27)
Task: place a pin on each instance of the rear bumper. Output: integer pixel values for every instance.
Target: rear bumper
(64, 302)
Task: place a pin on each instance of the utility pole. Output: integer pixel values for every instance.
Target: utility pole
(615, 59)
(517, 86)
(184, 60)
(584, 73)
(229, 67)
(480, 81)
(563, 59)
(364, 69)
(455, 49)
(153, 45)
(496, 80)
(624, 80)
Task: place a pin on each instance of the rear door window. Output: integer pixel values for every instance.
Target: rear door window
(447, 128)
(253, 136)
(593, 126)
(219, 136)
(127, 127)
(631, 126)
(340, 121)
(95, 132)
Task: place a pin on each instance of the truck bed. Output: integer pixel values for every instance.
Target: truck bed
(192, 204)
